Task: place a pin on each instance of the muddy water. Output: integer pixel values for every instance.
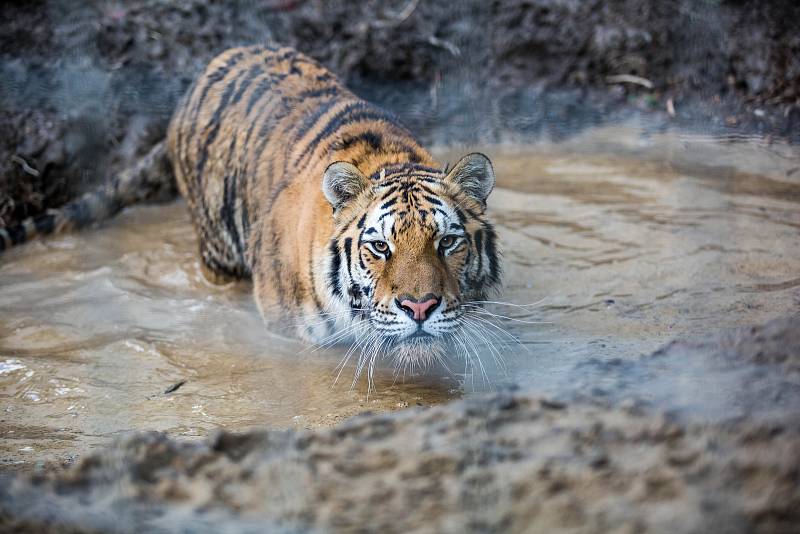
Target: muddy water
(620, 241)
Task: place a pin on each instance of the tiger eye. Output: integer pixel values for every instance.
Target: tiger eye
(447, 241)
(380, 246)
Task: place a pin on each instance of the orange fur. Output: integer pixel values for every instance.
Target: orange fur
(253, 147)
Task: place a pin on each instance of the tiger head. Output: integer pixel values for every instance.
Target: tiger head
(412, 247)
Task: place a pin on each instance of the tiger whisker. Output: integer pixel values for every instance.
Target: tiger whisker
(345, 359)
(499, 329)
(469, 353)
(481, 337)
(371, 369)
(374, 353)
(327, 316)
(362, 359)
(359, 344)
(333, 338)
(489, 336)
(501, 303)
(483, 311)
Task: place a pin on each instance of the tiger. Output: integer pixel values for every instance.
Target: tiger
(346, 226)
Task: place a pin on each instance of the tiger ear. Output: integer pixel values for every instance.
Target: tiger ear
(342, 183)
(475, 175)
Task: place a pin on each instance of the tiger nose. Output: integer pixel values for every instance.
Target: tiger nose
(419, 310)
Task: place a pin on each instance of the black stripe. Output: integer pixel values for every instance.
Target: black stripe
(373, 139)
(491, 253)
(254, 72)
(432, 200)
(344, 117)
(312, 118)
(336, 263)
(262, 87)
(266, 47)
(211, 80)
(245, 217)
(389, 193)
(348, 244)
(265, 134)
(268, 122)
(340, 117)
(227, 210)
(283, 107)
(254, 257)
(479, 249)
(277, 266)
(287, 53)
(472, 214)
(277, 190)
(404, 168)
(459, 247)
(355, 300)
(314, 93)
(265, 121)
(425, 189)
(389, 203)
(215, 123)
(361, 221)
(413, 155)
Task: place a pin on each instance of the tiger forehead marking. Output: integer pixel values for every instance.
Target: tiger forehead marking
(346, 224)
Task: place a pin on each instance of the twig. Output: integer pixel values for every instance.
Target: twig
(447, 45)
(174, 387)
(630, 78)
(399, 18)
(25, 167)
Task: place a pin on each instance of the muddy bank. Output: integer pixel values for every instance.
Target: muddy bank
(86, 89)
(499, 463)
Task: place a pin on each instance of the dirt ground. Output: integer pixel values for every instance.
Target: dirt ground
(86, 88)
(501, 463)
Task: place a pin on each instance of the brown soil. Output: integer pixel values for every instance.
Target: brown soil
(501, 463)
(85, 89)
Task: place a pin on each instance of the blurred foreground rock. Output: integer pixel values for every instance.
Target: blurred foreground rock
(501, 463)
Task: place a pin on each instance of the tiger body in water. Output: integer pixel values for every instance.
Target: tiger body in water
(346, 225)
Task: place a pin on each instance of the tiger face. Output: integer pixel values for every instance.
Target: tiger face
(411, 247)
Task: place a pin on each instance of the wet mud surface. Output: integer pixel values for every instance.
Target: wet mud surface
(612, 249)
(496, 463)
